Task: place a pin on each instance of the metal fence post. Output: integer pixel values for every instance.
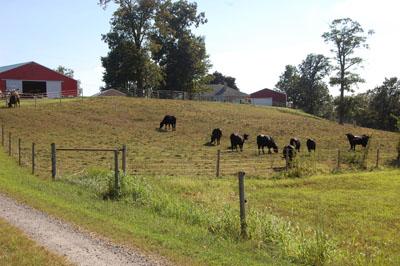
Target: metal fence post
(19, 151)
(242, 201)
(33, 158)
(218, 163)
(53, 161)
(377, 157)
(9, 144)
(124, 151)
(2, 135)
(116, 174)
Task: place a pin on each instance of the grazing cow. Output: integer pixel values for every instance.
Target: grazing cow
(289, 152)
(216, 135)
(236, 140)
(266, 141)
(311, 145)
(14, 99)
(168, 121)
(296, 143)
(357, 140)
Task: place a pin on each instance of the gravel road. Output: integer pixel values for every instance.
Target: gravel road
(80, 248)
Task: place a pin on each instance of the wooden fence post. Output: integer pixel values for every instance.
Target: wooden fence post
(116, 169)
(218, 162)
(9, 144)
(338, 160)
(377, 157)
(19, 151)
(33, 158)
(242, 201)
(53, 161)
(35, 100)
(2, 135)
(124, 151)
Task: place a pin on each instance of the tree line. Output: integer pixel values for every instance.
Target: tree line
(307, 89)
(152, 46)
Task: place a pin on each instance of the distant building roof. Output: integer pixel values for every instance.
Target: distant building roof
(267, 93)
(110, 92)
(223, 90)
(10, 67)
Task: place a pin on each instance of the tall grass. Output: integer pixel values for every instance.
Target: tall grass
(265, 231)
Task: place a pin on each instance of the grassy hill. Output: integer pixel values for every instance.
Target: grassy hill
(172, 203)
(115, 121)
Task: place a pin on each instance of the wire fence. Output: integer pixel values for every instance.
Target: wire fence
(209, 163)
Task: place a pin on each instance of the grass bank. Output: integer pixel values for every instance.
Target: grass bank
(16, 249)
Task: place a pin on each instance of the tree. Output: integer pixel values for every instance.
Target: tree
(219, 78)
(313, 91)
(181, 54)
(128, 63)
(385, 104)
(65, 71)
(304, 85)
(288, 83)
(346, 36)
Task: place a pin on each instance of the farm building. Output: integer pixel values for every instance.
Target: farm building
(33, 78)
(268, 97)
(109, 92)
(222, 93)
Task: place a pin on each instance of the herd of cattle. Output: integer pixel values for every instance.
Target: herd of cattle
(289, 151)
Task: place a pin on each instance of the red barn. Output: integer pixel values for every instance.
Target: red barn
(32, 78)
(268, 97)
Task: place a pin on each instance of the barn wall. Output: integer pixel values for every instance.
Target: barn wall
(36, 72)
(2, 85)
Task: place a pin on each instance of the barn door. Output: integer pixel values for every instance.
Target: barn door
(12, 85)
(53, 89)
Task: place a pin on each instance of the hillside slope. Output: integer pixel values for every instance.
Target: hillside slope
(111, 122)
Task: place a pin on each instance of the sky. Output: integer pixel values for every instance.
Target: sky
(251, 40)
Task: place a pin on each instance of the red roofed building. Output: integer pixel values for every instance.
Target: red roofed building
(268, 97)
(33, 78)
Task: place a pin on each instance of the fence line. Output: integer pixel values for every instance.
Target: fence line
(221, 163)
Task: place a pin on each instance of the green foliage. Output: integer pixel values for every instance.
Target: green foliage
(65, 71)
(346, 36)
(305, 87)
(128, 65)
(180, 53)
(219, 78)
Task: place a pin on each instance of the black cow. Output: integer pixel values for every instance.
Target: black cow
(296, 143)
(266, 141)
(311, 145)
(289, 152)
(216, 135)
(168, 121)
(236, 140)
(14, 100)
(357, 140)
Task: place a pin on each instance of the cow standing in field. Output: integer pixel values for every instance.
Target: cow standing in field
(168, 121)
(311, 145)
(237, 140)
(266, 141)
(289, 152)
(216, 135)
(13, 101)
(296, 143)
(357, 140)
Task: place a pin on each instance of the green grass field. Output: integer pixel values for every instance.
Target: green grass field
(16, 249)
(111, 122)
(172, 204)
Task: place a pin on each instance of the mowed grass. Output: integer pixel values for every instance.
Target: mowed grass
(16, 249)
(111, 122)
(183, 207)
